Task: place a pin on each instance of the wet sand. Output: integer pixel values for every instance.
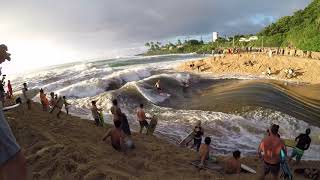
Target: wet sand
(307, 70)
(71, 148)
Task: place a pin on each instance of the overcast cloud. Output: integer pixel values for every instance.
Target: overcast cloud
(104, 26)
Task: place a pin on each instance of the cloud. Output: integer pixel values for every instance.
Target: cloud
(99, 26)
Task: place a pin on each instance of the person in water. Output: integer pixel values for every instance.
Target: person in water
(269, 150)
(233, 165)
(24, 93)
(204, 151)
(157, 85)
(198, 133)
(44, 101)
(142, 118)
(95, 113)
(116, 111)
(303, 144)
(117, 137)
(10, 92)
(66, 104)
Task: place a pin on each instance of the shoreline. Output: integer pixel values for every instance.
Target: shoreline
(256, 65)
(74, 149)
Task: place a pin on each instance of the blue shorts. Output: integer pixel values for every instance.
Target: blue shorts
(298, 153)
(8, 144)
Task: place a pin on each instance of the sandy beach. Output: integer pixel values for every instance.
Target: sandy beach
(256, 64)
(71, 148)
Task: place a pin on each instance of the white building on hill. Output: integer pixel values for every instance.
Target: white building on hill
(214, 36)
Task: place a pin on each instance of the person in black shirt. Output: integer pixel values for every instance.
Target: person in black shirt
(198, 133)
(303, 144)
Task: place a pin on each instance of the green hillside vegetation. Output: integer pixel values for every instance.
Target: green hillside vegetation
(301, 31)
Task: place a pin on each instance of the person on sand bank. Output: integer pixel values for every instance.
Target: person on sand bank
(142, 118)
(44, 101)
(52, 101)
(198, 133)
(24, 93)
(269, 150)
(232, 164)
(116, 111)
(95, 113)
(66, 104)
(204, 151)
(303, 144)
(117, 137)
(10, 92)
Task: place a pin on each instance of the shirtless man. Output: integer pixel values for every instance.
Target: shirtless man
(117, 137)
(204, 151)
(142, 118)
(233, 165)
(116, 111)
(269, 149)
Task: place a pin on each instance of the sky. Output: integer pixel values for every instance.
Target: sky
(46, 32)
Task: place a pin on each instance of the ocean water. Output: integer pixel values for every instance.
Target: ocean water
(235, 110)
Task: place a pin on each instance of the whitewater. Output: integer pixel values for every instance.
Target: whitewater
(235, 110)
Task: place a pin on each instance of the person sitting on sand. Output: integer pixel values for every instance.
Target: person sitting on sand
(233, 165)
(95, 113)
(303, 144)
(24, 93)
(204, 151)
(157, 85)
(44, 100)
(142, 118)
(116, 111)
(66, 104)
(198, 133)
(117, 137)
(269, 149)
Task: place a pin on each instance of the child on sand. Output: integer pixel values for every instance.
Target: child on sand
(95, 113)
(198, 133)
(117, 137)
(44, 100)
(233, 165)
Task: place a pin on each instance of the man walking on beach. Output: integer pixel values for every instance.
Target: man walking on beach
(142, 118)
(10, 92)
(204, 151)
(269, 149)
(116, 111)
(24, 93)
(303, 144)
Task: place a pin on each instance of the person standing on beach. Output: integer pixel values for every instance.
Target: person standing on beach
(95, 113)
(269, 149)
(44, 100)
(303, 144)
(13, 165)
(204, 151)
(198, 133)
(52, 102)
(66, 104)
(10, 92)
(24, 92)
(116, 111)
(142, 118)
